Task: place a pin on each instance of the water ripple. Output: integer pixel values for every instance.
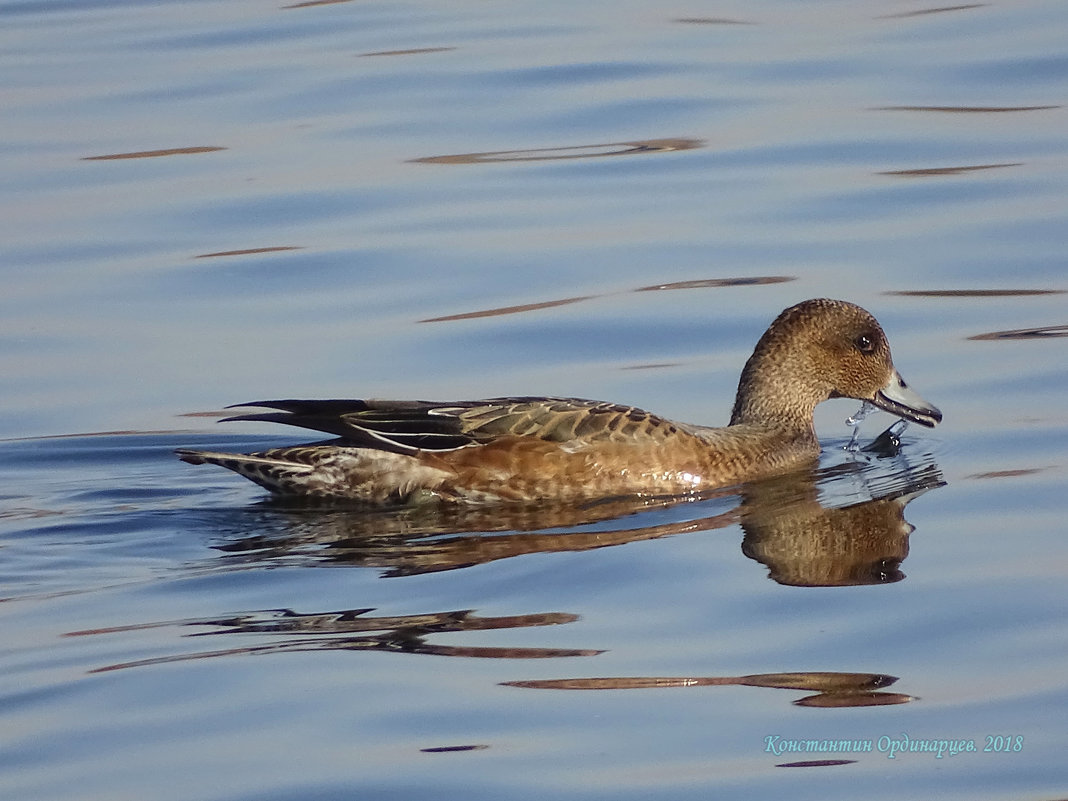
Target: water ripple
(641, 147)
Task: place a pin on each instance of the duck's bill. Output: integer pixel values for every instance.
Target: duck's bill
(897, 398)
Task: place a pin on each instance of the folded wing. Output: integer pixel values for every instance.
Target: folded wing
(410, 426)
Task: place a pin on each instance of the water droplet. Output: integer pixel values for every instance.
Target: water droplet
(853, 421)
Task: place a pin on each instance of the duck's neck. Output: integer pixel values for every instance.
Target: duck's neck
(773, 395)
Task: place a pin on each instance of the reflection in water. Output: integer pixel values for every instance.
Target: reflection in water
(651, 366)
(311, 3)
(26, 513)
(643, 146)
(247, 251)
(413, 52)
(703, 283)
(712, 21)
(1045, 332)
(151, 154)
(788, 522)
(928, 172)
(352, 630)
(804, 544)
(708, 283)
(1042, 332)
(816, 763)
(788, 526)
(1029, 471)
(975, 293)
(925, 11)
(410, 542)
(523, 307)
(966, 109)
(833, 690)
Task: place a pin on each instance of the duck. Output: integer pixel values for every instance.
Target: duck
(389, 452)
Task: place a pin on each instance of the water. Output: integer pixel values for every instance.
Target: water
(611, 201)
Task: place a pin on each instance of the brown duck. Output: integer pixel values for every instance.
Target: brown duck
(567, 449)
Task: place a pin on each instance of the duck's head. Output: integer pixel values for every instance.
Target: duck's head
(822, 349)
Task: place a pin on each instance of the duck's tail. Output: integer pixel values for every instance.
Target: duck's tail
(272, 472)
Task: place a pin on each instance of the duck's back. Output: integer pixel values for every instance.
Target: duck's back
(501, 449)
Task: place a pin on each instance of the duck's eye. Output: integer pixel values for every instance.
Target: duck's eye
(864, 343)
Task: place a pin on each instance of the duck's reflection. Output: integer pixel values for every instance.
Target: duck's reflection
(806, 544)
(358, 630)
(791, 524)
(794, 525)
(411, 542)
(831, 689)
(351, 630)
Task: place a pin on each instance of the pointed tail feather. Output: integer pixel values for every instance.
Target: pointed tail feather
(277, 475)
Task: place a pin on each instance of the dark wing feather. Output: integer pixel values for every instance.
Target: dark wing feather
(408, 426)
(398, 426)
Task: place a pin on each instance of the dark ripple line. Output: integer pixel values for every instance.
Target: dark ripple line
(975, 293)
(928, 172)
(564, 153)
(923, 12)
(965, 109)
(1045, 332)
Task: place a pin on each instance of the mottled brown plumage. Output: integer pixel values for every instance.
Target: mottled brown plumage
(506, 449)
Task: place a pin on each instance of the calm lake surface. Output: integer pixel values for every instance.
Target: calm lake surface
(211, 202)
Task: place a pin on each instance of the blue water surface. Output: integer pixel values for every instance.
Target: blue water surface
(211, 202)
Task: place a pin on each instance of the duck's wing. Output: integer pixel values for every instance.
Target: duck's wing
(409, 426)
